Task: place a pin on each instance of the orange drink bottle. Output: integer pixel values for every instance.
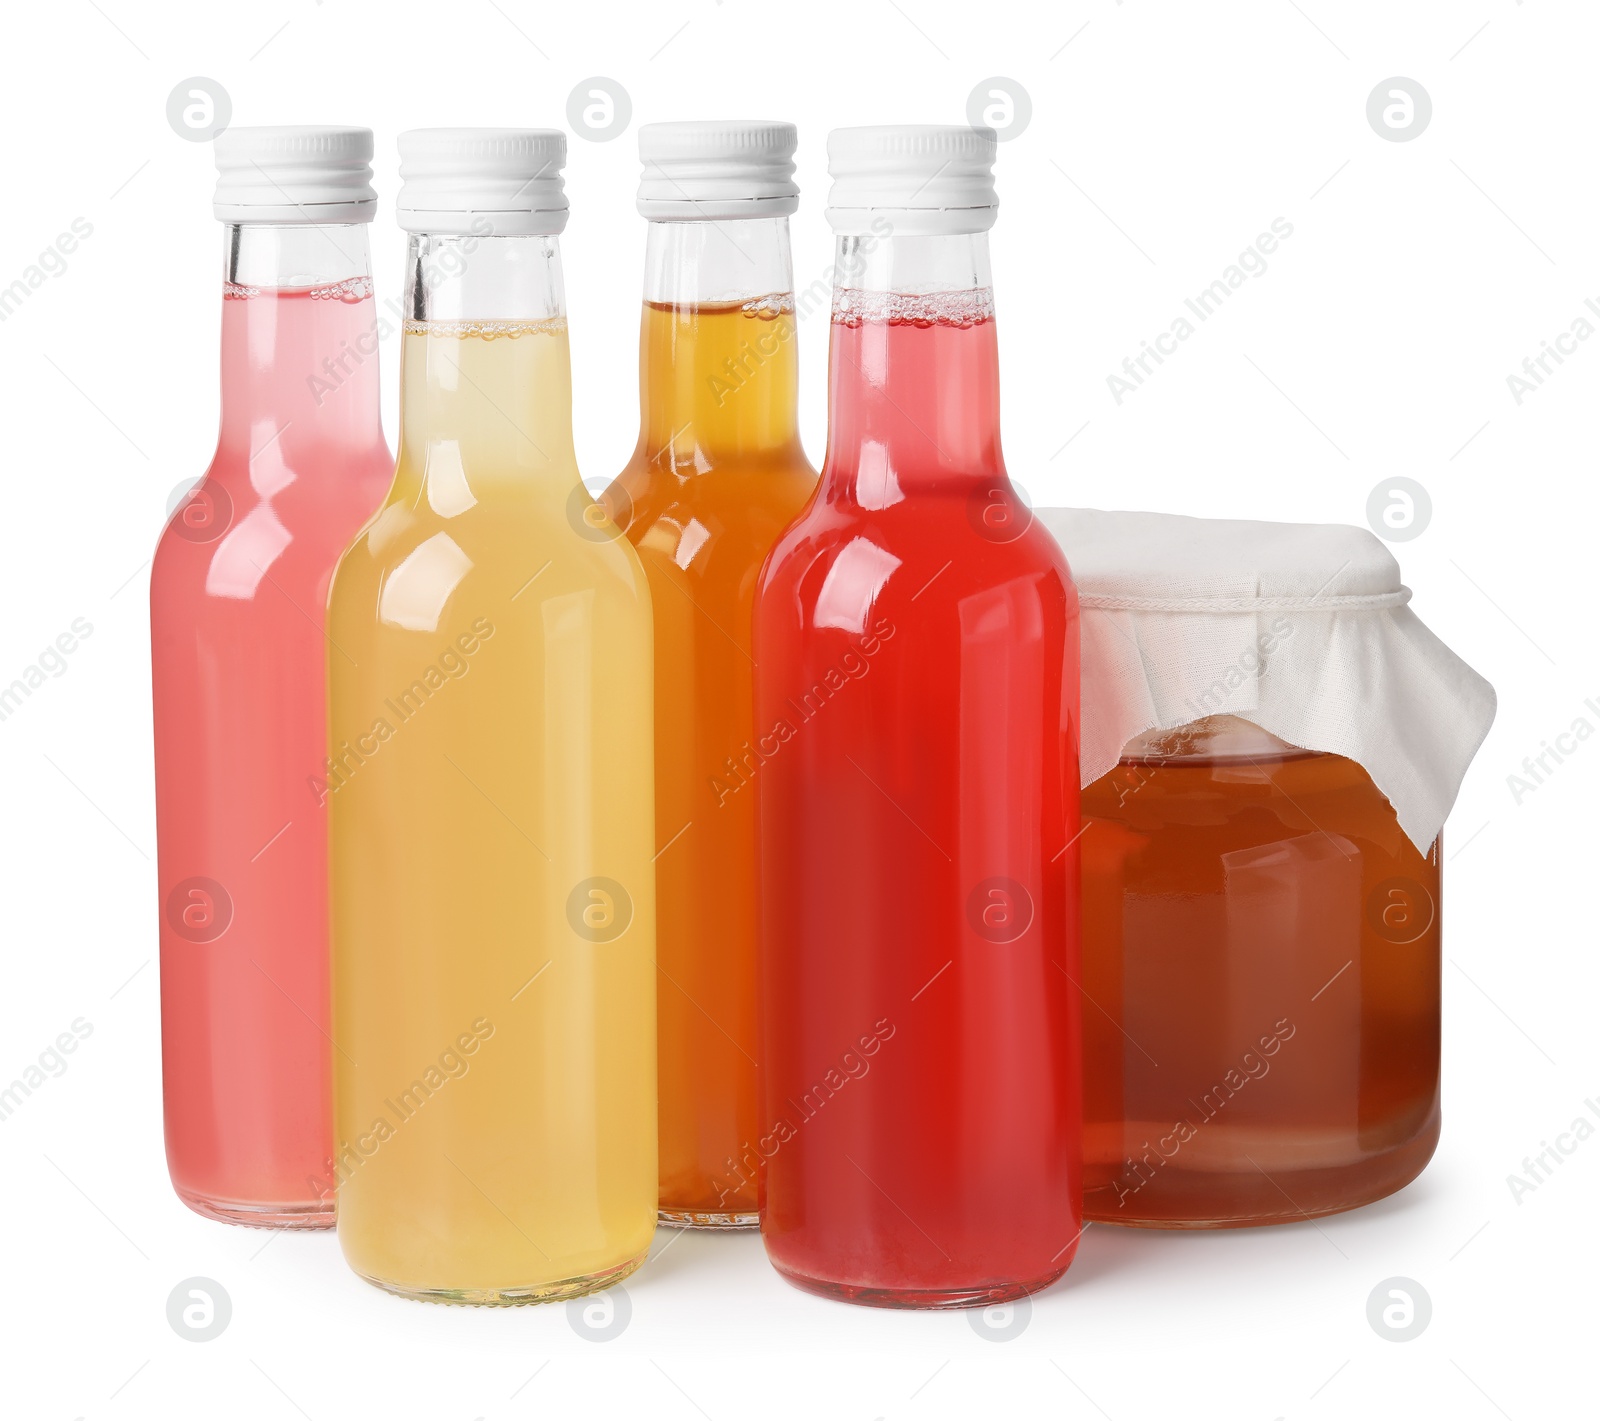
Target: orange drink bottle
(717, 475)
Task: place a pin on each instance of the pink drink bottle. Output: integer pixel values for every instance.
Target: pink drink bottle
(238, 647)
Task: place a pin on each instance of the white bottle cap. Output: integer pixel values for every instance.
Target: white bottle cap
(717, 171)
(926, 179)
(486, 182)
(294, 175)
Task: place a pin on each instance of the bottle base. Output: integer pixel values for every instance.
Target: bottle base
(695, 1219)
(556, 1292)
(982, 1295)
(312, 1214)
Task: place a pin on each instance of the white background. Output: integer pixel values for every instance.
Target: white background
(1164, 138)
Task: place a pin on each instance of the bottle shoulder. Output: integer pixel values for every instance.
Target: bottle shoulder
(733, 512)
(508, 549)
(952, 539)
(734, 490)
(232, 533)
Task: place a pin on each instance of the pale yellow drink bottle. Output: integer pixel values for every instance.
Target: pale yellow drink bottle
(489, 784)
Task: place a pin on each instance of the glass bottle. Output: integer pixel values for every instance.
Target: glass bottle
(916, 646)
(717, 475)
(490, 785)
(237, 590)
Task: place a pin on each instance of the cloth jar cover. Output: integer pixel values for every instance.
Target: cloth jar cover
(1301, 628)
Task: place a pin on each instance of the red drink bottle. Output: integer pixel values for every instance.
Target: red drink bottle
(237, 595)
(917, 699)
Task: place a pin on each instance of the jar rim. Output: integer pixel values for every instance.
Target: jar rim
(1212, 739)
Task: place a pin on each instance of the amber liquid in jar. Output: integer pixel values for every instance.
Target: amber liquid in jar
(1261, 985)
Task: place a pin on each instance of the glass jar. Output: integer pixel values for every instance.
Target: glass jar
(1261, 979)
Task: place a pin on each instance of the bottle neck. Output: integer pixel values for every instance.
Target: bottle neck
(486, 379)
(299, 341)
(913, 368)
(718, 377)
